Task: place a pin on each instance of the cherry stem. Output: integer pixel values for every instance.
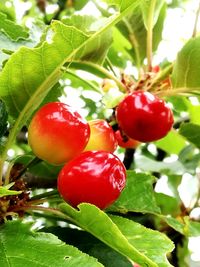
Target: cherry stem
(103, 72)
(163, 74)
(196, 22)
(54, 211)
(44, 195)
(176, 91)
(150, 34)
(31, 163)
(107, 60)
(91, 85)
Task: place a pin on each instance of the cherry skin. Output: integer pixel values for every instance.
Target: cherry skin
(144, 117)
(102, 136)
(156, 69)
(57, 133)
(125, 141)
(95, 177)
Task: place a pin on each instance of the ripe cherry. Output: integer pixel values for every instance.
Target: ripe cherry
(95, 177)
(156, 68)
(102, 136)
(144, 117)
(124, 141)
(57, 133)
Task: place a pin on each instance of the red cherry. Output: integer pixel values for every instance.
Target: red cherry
(125, 141)
(57, 133)
(102, 136)
(144, 117)
(156, 68)
(95, 177)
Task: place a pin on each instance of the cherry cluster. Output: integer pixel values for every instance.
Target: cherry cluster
(91, 172)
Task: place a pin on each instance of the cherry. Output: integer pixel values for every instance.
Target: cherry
(124, 141)
(57, 133)
(102, 136)
(144, 117)
(156, 68)
(95, 177)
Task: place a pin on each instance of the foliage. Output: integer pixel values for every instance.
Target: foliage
(55, 51)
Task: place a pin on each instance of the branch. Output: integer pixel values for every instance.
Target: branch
(128, 157)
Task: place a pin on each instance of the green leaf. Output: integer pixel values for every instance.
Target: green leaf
(54, 94)
(169, 205)
(146, 164)
(133, 29)
(173, 183)
(186, 68)
(96, 222)
(184, 226)
(3, 118)
(175, 224)
(119, 52)
(90, 245)
(173, 143)
(96, 50)
(183, 253)
(190, 158)
(194, 228)
(151, 8)
(19, 246)
(14, 31)
(79, 4)
(3, 57)
(191, 132)
(194, 111)
(138, 195)
(153, 244)
(9, 45)
(123, 5)
(4, 191)
(8, 10)
(179, 103)
(30, 73)
(76, 4)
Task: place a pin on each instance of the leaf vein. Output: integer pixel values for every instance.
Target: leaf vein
(4, 250)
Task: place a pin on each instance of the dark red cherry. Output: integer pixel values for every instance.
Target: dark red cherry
(144, 117)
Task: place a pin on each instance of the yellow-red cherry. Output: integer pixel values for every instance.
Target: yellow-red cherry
(95, 177)
(144, 117)
(102, 136)
(57, 133)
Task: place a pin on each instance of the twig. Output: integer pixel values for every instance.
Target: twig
(31, 163)
(128, 157)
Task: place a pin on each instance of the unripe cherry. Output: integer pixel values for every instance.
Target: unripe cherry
(102, 136)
